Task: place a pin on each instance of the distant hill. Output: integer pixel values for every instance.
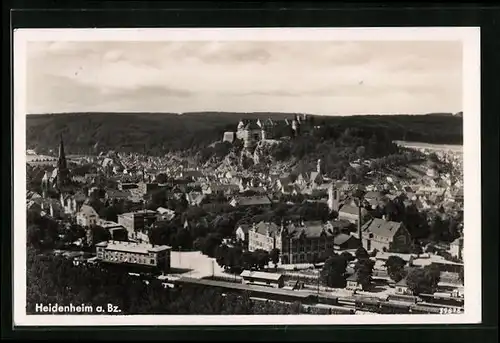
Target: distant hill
(160, 132)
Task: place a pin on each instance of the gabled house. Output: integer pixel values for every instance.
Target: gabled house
(402, 288)
(242, 233)
(195, 198)
(87, 216)
(382, 234)
(344, 241)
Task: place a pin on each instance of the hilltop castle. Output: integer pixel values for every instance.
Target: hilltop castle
(251, 132)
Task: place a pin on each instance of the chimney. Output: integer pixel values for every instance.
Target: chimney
(359, 224)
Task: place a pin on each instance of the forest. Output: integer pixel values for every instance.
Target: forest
(158, 133)
(55, 280)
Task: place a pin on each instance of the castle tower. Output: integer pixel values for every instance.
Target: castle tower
(62, 167)
(295, 127)
(333, 199)
(318, 167)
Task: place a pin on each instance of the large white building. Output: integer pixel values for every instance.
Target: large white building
(139, 254)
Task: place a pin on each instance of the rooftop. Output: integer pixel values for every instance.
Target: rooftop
(381, 227)
(261, 275)
(141, 248)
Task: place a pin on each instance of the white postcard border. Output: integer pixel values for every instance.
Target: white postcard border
(470, 37)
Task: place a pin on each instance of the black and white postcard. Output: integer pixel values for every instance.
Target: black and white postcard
(247, 176)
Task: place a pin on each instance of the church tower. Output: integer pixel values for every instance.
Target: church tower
(45, 185)
(333, 199)
(62, 167)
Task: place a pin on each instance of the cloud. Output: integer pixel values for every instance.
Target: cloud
(318, 77)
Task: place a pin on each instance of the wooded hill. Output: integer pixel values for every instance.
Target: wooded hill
(162, 132)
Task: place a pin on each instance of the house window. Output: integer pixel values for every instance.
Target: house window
(152, 261)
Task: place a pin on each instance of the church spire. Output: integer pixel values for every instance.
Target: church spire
(62, 172)
(62, 156)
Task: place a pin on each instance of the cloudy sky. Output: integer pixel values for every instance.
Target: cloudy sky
(320, 77)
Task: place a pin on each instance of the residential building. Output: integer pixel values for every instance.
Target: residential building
(301, 243)
(344, 241)
(117, 195)
(351, 213)
(401, 288)
(137, 221)
(139, 254)
(116, 231)
(456, 247)
(195, 198)
(165, 214)
(383, 235)
(352, 283)
(87, 216)
(242, 233)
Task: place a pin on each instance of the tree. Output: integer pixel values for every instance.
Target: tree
(183, 238)
(261, 258)
(361, 253)
(347, 256)
(395, 268)
(161, 178)
(221, 255)
(248, 260)
(99, 234)
(364, 272)
(333, 272)
(34, 236)
(274, 255)
(360, 152)
(416, 248)
(210, 244)
(423, 280)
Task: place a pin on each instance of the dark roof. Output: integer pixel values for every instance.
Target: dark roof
(349, 209)
(264, 227)
(315, 176)
(402, 282)
(116, 193)
(311, 229)
(254, 200)
(252, 126)
(244, 227)
(342, 238)
(352, 277)
(373, 195)
(381, 227)
(192, 173)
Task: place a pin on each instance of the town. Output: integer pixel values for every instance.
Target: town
(368, 231)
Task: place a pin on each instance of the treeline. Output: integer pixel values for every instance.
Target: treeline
(158, 133)
(336, 147)
(55, 280)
